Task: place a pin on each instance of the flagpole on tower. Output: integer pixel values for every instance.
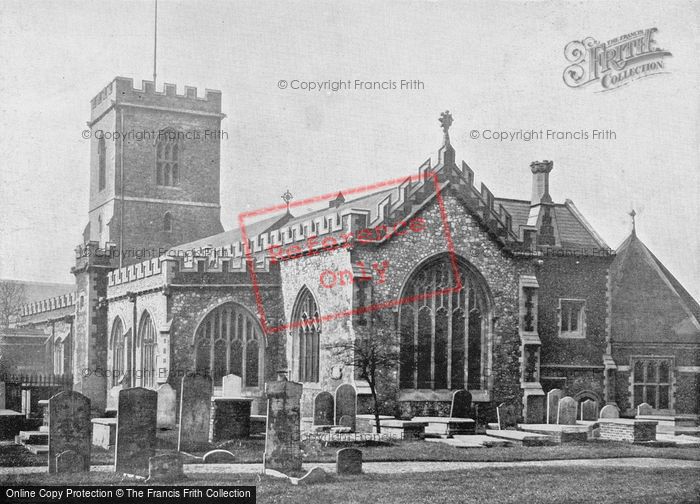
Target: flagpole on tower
(155, 42)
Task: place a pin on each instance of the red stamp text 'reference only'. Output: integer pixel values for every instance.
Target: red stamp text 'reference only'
(346, 238)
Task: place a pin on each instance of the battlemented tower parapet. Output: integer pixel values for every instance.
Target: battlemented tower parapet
(122, 91)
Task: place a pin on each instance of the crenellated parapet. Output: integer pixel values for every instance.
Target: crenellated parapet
(341, 223)
(122, 91)
(48, 305)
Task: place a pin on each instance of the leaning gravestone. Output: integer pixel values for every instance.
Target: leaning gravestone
(553, 398)
(166, 407)
(346, 404)
(461, 404)
(195, 412)
(70, 429)
(644, 409)
(348, 461)
(610, 411)
(323, 409)
(283, 436)
(232, 386)
(136, 430)
(506, 416)
(589, 410)
(566, 414)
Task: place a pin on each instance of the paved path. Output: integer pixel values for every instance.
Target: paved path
(412, 467)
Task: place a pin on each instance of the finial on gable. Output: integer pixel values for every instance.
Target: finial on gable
(633, 214)
(287, 197)
(446, 121)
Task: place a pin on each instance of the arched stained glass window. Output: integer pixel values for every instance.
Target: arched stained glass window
(306, 329)
(228, 341)
(443, 329)
(146, 344)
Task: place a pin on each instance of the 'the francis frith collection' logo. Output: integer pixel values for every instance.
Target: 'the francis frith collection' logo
(614, 63)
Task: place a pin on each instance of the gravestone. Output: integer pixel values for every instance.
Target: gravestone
(610, 411)
(113, 398)
(136, 430)
(553, 398)
(166, 407)
(282, 439)
(69, 462)
(348, 461)
(347, 421)
(644, 409)
(534, 409)
(589, 410)
(461, 404)
(195, 412)
(165, 468)
(346, 403)
(232, 386)
(506, 416)
(70, 428)
(323, 409)
(566, 413)
(2, 395)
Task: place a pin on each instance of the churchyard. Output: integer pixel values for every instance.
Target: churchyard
(203, 439)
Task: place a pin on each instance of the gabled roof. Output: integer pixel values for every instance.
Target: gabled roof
(632, 244)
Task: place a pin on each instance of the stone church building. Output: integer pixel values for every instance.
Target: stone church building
(506, 298)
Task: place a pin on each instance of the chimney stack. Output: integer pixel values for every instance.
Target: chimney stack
(540, 181)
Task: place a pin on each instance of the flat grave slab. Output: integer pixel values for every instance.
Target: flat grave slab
(447, 426)
(559, 432)
(520, 437)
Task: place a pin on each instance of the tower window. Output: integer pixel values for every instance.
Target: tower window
(572, 318)
(167, 222)
(102, 163)
(167, 159)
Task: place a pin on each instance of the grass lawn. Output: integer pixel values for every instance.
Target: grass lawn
(251, 451)
(509, 485)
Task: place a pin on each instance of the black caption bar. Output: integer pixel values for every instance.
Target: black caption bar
(128, 494)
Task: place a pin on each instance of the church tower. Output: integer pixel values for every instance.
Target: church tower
(154, 168)
(154, 184)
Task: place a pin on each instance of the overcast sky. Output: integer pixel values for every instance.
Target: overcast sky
(494, 65)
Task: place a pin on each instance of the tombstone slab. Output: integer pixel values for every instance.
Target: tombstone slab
(506, 416)
(232, 386)
(69, 462)
(323, 409)
(589, 410)
(165, 468)
(567, 408)
(2, 395)
(461, 404)
(644, 409)
(70, 427)
(283, 436)
(348, 461)
(231, 418)
(136, 430)
(610, 411)
(534, 409)
(195, 412)
(113, 398)
(346, 403)
(167, 405)
(553, 398)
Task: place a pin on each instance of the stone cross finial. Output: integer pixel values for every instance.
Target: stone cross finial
(445, 123)
(287, 197)
(445, 120)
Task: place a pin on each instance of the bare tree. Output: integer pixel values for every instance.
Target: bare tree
(374, 356)
(12, 296)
